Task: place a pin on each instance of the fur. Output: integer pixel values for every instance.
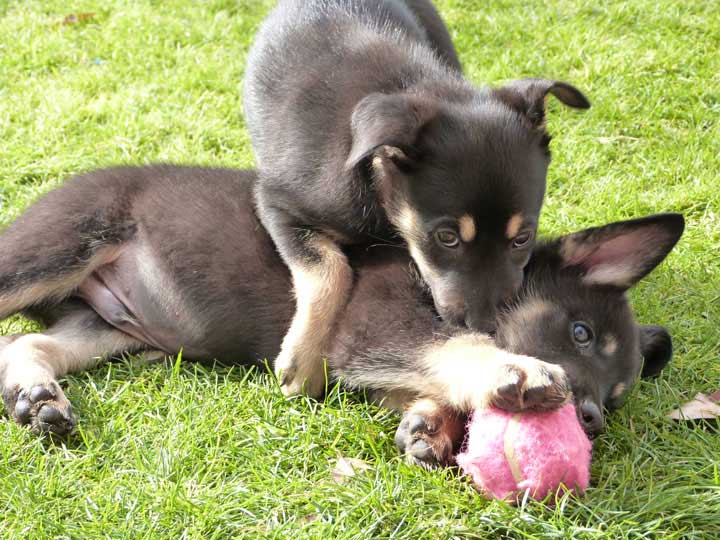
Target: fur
(185, 276)
(365, 130)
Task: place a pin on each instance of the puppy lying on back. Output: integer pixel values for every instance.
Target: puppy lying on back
(364, 130)
(142, 259)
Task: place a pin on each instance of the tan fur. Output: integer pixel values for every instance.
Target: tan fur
(573, 251)
(321, 292)
(610, 346)
(34, 359)
(619, 276)
(54, 289)
(467, 227)
(382, 161)
(407, 222)
(465, 371)
(425, 406)
(513, 226)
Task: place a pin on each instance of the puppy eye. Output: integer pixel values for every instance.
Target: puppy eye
(522, 239)
(448, 238)
(582, 334)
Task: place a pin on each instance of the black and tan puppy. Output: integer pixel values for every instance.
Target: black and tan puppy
(365, 131)
(142, 259)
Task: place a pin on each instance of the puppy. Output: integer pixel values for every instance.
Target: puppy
(144, 259)
(364, 131)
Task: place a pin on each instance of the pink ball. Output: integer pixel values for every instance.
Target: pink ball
(507, 454)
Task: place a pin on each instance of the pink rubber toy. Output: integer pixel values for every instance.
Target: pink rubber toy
(507, 454)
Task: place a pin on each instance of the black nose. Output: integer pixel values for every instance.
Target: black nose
(591, 418)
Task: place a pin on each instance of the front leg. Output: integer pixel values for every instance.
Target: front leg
(430, 434)
(469, 372)
(465, 372)
(322, 280)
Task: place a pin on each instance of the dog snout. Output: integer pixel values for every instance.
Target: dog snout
(481, 316)
(454, 313)
(591, 418)
(482, 324)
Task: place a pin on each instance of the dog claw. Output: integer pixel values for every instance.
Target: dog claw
(532, 386)
(419, 423)
(429, 437)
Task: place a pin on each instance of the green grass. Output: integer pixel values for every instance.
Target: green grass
(178, 451)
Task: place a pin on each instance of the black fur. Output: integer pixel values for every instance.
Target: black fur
(197, 271)
(335, 86)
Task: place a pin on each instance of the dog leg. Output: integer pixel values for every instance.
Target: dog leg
(322, 280)
(430, 434)
(50, 249)
(31, 363)
(465, 372)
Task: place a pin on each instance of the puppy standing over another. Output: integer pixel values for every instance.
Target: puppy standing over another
(364, 129)
(136, 259)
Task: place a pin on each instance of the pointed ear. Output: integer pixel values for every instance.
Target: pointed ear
(620, 254)
(527, 96)
(656, 348)
(390, 121)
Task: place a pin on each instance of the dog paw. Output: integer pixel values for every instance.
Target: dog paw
(531, 385)
(297, 378)
(429, 435)
(43, 408)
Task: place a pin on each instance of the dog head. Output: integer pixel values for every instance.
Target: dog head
(461, 175)
(573, 311)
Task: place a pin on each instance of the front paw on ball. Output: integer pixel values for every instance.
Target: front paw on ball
(531, 385)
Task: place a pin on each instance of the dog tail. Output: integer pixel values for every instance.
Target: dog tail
(60, 240)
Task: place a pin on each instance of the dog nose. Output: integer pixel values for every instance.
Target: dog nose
(591, 418)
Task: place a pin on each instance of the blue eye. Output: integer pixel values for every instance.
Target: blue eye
(582, 334)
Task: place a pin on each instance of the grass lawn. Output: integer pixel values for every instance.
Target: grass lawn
(175, 451)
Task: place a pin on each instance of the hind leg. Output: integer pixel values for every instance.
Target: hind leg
(31, 363)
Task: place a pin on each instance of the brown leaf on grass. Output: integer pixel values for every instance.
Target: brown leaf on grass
(310, 518)
(703, 407)
(75, 18)
(346, 467)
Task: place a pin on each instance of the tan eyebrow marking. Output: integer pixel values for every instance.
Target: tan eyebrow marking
(611, 345)
(467, 228)
(513, 226)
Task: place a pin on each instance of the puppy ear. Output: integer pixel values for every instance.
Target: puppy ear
(527, 96)
(620, 254)
(656, 348)
(389, 121)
